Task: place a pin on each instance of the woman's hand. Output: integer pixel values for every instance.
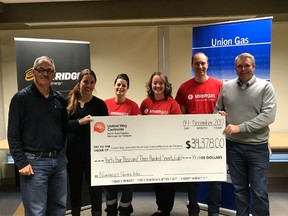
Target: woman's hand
(85, 120)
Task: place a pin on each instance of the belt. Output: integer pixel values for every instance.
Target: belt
(48, 154)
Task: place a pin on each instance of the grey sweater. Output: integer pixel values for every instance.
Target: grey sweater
(252, 108)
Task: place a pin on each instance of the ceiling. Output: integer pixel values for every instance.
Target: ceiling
(33, 14)
(37, 1)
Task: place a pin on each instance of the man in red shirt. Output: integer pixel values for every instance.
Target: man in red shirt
(199, 96)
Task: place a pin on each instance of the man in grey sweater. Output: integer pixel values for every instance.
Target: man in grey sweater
(249, 105)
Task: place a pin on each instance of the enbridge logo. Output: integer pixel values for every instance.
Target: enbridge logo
(29, 75)
(66, 75)
(58, 76)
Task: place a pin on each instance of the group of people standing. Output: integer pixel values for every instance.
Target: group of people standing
(41, 121)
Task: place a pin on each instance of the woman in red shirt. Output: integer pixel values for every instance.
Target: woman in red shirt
(118, 106)
(160, 102)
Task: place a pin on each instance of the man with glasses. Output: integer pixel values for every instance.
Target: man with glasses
(36, 134)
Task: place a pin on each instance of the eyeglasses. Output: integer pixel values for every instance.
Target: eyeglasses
(42, 70)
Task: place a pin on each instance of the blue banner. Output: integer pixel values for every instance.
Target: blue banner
(224, 41)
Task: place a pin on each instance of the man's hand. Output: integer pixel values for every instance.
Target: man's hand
(231, 129)
(27, 170)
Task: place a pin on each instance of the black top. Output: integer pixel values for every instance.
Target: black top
(36, 123)
(78, 136)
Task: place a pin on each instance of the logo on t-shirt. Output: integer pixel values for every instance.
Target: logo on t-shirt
(190, 97)
(118, 113)
(99, 127)
(205, 96)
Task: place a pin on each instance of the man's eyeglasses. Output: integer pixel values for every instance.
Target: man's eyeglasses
(42, 70)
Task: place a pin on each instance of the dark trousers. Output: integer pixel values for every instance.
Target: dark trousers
(79, 163)
(125, 204)
(213, 201)
(112, 193)
(165, 194)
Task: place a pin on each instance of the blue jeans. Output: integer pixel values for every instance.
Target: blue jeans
(45, 192)
(213, 198)
(249, 167)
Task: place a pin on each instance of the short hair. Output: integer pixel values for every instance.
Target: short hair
(35, 65)
(192, 59)
(246, 55)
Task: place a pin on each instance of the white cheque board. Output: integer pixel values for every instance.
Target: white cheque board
(159, 148)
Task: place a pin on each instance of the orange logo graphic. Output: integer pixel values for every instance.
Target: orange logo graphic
(29, 75)
(99, 127)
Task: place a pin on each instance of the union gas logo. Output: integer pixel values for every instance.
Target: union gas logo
(29, 75)
(190, 97)
(99, 127)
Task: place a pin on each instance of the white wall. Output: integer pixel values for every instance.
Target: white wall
(279, 74)
(134, 50)
(113, 50)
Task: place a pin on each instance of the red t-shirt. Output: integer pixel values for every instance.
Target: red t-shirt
(128, 107)
(199, 98)
(160, 107)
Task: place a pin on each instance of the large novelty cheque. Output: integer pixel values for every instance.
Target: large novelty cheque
(153, 149)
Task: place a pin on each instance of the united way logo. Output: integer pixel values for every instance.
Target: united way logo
(99, 127)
